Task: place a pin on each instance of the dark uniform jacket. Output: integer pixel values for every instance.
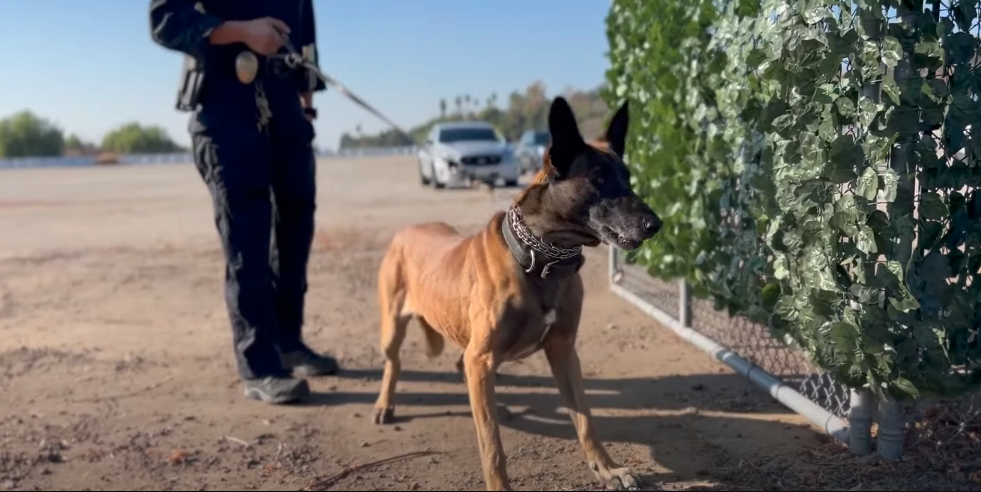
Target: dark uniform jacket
(185, 26)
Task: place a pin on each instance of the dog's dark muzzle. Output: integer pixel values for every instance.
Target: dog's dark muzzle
(628, 223)
(651, 225)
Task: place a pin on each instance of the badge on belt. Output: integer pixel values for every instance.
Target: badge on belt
(246, 66)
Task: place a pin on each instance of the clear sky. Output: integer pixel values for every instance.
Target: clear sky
(90, 65)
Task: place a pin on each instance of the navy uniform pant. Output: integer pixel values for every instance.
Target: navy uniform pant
(261, 176)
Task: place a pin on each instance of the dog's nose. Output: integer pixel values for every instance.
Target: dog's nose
(652, 225)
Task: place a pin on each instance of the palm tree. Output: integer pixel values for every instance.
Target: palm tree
(442, 108)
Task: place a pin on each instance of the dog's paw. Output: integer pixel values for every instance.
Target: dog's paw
(616, 478)
(383, 415)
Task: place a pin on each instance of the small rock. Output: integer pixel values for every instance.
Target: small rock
(9, 485)
(364, 445)
(397, 428)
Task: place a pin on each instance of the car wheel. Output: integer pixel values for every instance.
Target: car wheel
(511, 183)
(435, 179)
(422, 177)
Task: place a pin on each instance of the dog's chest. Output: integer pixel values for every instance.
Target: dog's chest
(533, 336)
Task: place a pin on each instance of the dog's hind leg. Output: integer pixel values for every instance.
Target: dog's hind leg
(394, 322)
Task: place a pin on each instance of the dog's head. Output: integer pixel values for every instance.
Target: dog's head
(586, 196)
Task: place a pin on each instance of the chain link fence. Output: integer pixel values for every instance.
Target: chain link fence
(751, 341)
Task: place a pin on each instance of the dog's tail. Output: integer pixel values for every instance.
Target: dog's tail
(434, 341)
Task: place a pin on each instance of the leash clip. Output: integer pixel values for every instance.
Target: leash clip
(545, 271)
(548, 268)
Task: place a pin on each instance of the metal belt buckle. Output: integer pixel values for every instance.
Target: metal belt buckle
(246, 67)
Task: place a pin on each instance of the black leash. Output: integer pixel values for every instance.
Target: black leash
(294, 60)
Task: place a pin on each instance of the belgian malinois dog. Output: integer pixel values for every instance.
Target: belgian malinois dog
(514, 288)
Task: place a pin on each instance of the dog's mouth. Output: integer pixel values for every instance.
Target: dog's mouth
(610, 236)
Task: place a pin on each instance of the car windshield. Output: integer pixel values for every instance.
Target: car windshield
(540, 138)
(450, 135)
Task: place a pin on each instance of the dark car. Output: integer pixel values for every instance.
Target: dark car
(530, 149)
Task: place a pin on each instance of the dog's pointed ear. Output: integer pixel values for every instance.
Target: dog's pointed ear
(616, 132)
(567, 142)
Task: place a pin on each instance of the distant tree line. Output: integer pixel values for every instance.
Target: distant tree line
(522, 111)
(25, 134)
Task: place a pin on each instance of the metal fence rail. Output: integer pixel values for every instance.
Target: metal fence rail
(750, 340)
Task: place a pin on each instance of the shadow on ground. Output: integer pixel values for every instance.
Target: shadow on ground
(631, 411)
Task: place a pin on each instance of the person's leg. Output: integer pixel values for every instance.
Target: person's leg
(295, 193)
(234, 162)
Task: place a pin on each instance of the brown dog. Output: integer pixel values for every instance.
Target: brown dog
(514, 288)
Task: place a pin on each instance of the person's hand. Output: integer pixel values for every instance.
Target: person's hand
(306, 101)
(264, 35)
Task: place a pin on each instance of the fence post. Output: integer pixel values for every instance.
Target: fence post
(684, 304)
(614, 266)
(860, 422)
(889, 442)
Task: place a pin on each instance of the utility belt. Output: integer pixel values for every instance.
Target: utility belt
(250, 67)
(246, 67)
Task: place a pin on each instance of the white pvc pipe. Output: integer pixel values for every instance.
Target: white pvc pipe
(830, 423)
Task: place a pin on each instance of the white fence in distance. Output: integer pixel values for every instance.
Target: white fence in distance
(179, 158)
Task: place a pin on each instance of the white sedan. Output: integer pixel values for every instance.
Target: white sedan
(457, 153)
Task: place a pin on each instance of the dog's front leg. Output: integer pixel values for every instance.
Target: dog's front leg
(564, 361)
(479, 366)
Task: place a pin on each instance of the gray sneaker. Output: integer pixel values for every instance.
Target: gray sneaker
(277, 390)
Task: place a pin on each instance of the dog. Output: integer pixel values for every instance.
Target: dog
(513, 288)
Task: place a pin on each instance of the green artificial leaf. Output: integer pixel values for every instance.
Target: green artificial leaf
(783, 122)
(846, 107)
(929, 48)
(890, 181)
(906, 387)
(865, 240)
(891, 90)
(844, 157)
(868, 183)
(932, 207)
(817, 14)
(892, 51)
(904, 305)
(931, 234)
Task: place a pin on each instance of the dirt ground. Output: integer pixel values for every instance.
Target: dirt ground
(116, 364)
